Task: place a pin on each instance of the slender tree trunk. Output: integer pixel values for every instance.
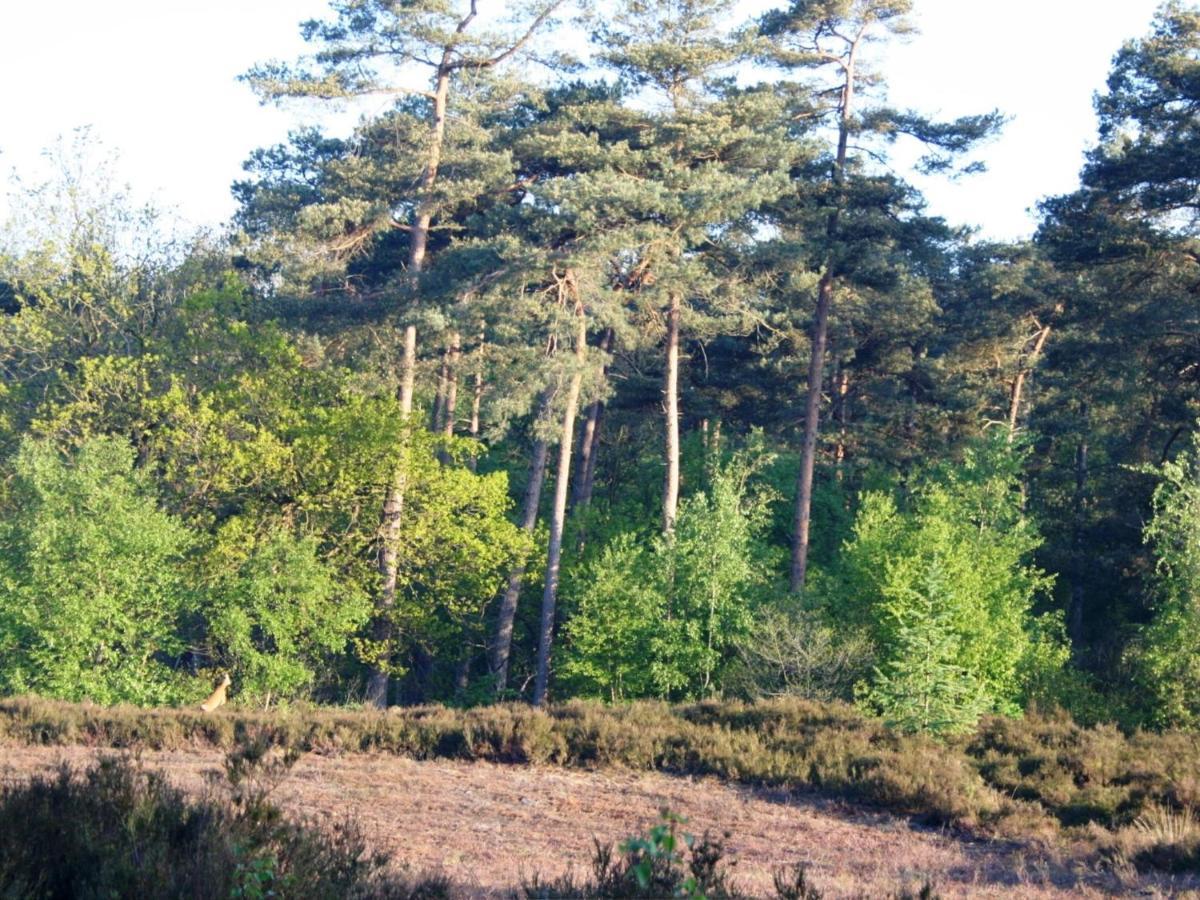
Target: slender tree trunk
(389, 534)
(1075, 617)
(502, 645)
(450, 409)
(841, 381)
(561, 483)
(449, 405)
(393, 504)
(476, 401)
(816, 363)
(671, 407)
(437, 413)
(808, 456)
(587, 478)
(589, 442)
(1026, 366)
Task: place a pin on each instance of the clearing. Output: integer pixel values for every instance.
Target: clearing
(489, 826)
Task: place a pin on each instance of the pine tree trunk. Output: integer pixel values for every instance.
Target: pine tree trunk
(589, 443)
(841, 381)
(502, 645)
(393, 504)
(1075, 617)
(558, 517)
(389, 532)
(812, 408)
(476, 402)
(1018, 385)
(436, 414)
(450, 410)
(449, 404)
(671, 407)
(820, 334)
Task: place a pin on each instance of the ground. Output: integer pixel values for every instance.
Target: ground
(489, 826)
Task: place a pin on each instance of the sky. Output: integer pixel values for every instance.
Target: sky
(155, 80)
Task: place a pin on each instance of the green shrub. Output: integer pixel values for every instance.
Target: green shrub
(92, 577)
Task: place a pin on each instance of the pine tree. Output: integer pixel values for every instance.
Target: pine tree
(814, 36)
(365, 50)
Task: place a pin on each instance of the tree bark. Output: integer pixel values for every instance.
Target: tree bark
(808, 456)
(561, 483)
(589, 442)
(476, 402)
(671, 408)
(841, 399)
(450, 409)
(439, 397)
(1018, 385)
(1075, 617)
(502, 645)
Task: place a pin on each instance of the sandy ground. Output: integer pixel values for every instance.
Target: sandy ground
(489, 826)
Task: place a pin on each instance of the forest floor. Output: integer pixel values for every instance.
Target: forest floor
(488, 826)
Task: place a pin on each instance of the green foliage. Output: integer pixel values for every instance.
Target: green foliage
(946, 589)
(664, 862)
(797, 652)
(275, 611)
(660, 616)
(92, 577)
(922, 687)
(1167, 654)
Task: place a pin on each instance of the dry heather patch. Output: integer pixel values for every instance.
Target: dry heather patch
(1038, 779)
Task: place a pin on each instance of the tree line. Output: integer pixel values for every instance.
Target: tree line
(614, 358)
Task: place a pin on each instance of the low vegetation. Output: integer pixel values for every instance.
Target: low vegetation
(1040, 778)
(118, 829)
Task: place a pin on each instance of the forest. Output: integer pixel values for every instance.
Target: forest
(616, 358)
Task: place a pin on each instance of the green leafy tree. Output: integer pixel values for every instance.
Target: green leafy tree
(923, 686)
(1167, 652)
(276, 612)
(961, 544)
(661, 616)
(93, 577)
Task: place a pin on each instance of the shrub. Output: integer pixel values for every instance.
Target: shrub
(661, 616)
(1026, 778)
(959, 549)
(796, 653)
(92, 582)
(117, 830)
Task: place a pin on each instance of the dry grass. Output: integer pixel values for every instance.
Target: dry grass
(1042, 781)
(488, 827)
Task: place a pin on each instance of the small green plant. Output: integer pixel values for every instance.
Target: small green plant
(663, 862)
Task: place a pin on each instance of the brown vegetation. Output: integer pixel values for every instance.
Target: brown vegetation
(1111, 799)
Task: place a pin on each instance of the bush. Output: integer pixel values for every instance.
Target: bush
(119, 831)
(92, 578)
(795, 653)
(960, 549)
(660, 616)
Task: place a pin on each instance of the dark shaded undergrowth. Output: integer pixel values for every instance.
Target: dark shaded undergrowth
(1042, 778)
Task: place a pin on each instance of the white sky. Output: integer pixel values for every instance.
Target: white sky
(156, 81)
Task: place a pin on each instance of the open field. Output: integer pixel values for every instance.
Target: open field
(1038, 806)
(488, 826)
